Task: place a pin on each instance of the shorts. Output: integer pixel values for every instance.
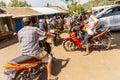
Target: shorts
(86, 39)
(44, 57)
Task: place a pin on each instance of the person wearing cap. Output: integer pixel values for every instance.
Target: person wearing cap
(91, 24)
(28, 38)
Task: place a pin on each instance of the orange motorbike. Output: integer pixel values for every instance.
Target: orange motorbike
(100, 40)
(26, 67)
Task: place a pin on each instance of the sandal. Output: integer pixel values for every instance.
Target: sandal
(54, 78)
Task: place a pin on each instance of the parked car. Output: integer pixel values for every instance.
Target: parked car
(110, 17)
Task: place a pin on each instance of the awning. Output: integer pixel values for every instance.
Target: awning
(5, 15)
(61, 9)
(45, 10)
(17, 12)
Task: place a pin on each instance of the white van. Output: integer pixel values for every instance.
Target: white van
(110, 17)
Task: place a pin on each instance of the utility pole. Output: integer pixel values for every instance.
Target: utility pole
(79, 1)
(2, 3)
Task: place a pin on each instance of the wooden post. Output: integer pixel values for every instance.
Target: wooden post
(12, 24)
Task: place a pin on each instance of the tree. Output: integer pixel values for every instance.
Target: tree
(48, 5)
(96, 2)
(76, 8)
(2, 4)
(23, 4)
(117, 2)
(16, 3)
(73, 6)
(13, 3)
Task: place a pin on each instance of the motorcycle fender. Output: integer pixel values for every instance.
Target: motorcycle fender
(68, 38)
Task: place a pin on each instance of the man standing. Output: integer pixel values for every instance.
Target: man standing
(41, 25)
(29, 40)
(90, 30)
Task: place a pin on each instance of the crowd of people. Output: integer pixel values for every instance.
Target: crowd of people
(29, 36)
(55, 22)
(60, 21)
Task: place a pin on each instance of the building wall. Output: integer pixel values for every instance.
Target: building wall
(6, 27)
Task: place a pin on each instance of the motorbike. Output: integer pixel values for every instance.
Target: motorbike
(56, 38)
(27, 67)
(100, 40)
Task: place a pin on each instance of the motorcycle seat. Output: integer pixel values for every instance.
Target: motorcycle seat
(22, 59)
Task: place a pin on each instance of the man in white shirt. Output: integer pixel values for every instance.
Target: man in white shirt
(91, 29)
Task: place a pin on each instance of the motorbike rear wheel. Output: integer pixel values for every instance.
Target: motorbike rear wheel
(23, 75)
(69, 45)
(9, 78)
(106, 42)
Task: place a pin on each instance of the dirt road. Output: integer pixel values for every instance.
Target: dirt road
(99, 65)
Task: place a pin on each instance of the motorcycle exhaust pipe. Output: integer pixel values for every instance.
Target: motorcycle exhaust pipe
(96, 44)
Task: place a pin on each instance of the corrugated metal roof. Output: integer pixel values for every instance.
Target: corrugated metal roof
(21, 11)
(62, 10)
(45, 10)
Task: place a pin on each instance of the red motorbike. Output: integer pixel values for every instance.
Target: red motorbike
(101, 40)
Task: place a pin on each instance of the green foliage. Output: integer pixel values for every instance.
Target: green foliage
(23, 4)
(13, 3)
(76, 8)
(2, 4)
(117, 2)
(16, 3)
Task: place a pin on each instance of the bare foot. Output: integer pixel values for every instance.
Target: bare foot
(87, 53)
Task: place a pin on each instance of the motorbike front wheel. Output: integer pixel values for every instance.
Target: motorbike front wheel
(69, 45)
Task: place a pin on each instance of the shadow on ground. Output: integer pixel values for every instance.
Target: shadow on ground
(60, 41)
(58, 65)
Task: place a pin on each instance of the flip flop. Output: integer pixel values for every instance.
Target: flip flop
(55, 78)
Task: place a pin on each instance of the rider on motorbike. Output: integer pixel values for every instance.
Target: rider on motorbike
(90, 29)
(29, 40)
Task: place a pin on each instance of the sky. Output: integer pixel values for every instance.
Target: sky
(39, 3)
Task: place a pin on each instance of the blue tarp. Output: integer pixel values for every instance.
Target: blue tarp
(19, 24)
